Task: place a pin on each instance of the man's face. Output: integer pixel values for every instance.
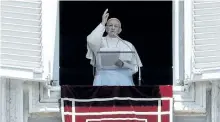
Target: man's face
(113, 27)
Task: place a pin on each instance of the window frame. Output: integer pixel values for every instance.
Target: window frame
(185, 101)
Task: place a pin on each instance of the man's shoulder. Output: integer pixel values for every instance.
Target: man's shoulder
(127, 42)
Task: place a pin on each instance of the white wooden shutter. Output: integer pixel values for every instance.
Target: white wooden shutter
(206, 35)
(21, 45)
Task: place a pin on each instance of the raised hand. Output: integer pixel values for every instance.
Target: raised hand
(105, 17)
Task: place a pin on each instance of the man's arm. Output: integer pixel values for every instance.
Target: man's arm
(133, 64)
(127, 64)
(94, 39)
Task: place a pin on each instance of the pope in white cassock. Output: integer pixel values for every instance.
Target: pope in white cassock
(128, 64)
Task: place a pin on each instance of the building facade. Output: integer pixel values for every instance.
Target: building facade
(30, 61)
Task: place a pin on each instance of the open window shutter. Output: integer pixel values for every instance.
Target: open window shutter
(21, 35)
(206, 35)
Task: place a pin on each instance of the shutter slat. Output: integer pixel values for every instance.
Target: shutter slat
(207, 53)
(206, 17)
(207, 5)
(17, 27)
(207, 65)
(207, 59)
(22, 34)
(20, 51)
(206, 35)
(20, 57)
(206, 11)
(207, 23)
(21, 9)
(207, 47)
(20, 63)
(21, 39)
(21, 45)
(213, 28)
(22, 3)
(17, 15)
(207, 41)
(202, 1)
(16, 67)
(21, 21)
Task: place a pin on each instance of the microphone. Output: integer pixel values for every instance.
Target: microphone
(122, 41)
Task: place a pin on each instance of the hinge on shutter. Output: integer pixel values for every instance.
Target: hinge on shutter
(180, 82)
(37, 73)
(38, 70)
(50, 87)
(197, 71)
(51, 84)
(187, 84)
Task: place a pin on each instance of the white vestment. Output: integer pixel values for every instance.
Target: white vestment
(117, 77)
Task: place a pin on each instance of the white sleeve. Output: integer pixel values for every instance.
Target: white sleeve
(94, 40)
